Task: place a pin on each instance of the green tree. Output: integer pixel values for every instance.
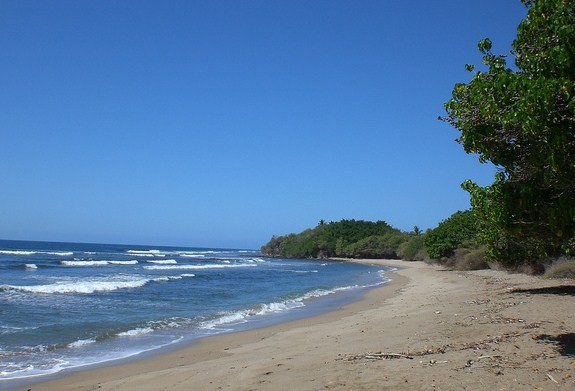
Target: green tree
(522, 119)
(450, 234)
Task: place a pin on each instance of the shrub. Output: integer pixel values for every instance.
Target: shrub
(562, 268)
(442, 241)
(470, 259)
(413, 249)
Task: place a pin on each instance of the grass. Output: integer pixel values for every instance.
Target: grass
(562, 268)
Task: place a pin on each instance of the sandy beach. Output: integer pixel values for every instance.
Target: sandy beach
(429, 329)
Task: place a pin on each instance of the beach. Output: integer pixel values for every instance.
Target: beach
(428, 329)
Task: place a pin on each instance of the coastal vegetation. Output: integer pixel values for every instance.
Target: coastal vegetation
(350, 239)
(518, 113)
(521, 118)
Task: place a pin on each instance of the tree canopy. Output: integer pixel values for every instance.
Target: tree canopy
(345, 238)
(450, 234)
(521, 118)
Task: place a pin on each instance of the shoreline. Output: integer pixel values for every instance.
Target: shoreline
(444, 329)
(200, 353)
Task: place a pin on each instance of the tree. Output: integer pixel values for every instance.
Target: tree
(522, 119)
(450, 234)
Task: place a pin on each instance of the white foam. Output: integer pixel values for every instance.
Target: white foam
(30, 266)
(188, 275)
(81, 342)
(80, 286)
(84, 263)
(146, 253)
(164, 262)
(142, 255)
(164, 279)
(22, 252)
(32, 371)
(14, 252)
(16, 371)
(242, 316)
(136, 332)
(279, 307)
(186, 255)
(194, 267)
(234, 317)
(193, 253)
(134, 262)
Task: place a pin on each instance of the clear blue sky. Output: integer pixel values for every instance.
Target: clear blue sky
(221, 123)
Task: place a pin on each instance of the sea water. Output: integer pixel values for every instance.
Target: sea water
(67, 305)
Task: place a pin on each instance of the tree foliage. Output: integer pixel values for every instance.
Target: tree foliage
(346, 238)
(522, 119)
(450, 234)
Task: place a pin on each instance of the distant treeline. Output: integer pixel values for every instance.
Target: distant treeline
(454, 242)
(349, 239)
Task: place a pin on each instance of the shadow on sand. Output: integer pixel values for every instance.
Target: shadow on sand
(563, 290)
(565, 342)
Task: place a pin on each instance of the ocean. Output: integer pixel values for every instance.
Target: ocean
(68, 305)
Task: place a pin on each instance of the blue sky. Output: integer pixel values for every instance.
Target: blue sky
(221, 123)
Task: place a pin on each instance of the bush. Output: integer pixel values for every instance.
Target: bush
(470, 259)
(413, 249)
(442, 241)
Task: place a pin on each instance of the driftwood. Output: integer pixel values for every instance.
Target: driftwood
(376, 356)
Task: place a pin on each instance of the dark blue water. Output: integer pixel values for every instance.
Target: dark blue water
(64, 305)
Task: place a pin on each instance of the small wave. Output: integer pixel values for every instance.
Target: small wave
(134, 262)
(194, 253)
(242, 316)
(164, 262)
(23, 252)
(30, 266)
(164, 279)
(14, 252)
(83, 286)
(81, 342)
(146, 253)
(195, 267)
(136, 332)
(84, 263)
(142, 255)
(97, 263)
(13, 371)
(14, 330)
(186, 255)
(87, 286)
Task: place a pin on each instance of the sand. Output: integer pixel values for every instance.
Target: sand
(429, 329)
